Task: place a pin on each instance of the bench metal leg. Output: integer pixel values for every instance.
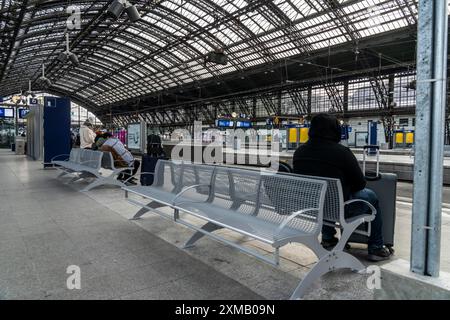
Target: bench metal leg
(85, 175)
(73, 179)
(102, 181)
(209, 227)
(142, 211)
(322, 267)
(93, 185)
(276, 258)
(63, 173)
(80, 176)
(330, 262)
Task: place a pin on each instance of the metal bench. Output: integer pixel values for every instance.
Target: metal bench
(169, 180)
(272, 208)
(90, 164)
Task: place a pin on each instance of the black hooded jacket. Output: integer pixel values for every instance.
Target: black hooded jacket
(323, 156)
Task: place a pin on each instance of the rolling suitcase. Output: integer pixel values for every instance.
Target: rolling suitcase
(385, 186)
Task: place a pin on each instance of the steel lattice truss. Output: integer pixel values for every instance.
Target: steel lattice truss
(121, 61)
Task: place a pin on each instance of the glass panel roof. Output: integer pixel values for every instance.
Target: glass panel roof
(166, 48)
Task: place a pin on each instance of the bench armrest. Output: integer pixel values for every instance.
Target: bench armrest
(140, 173)
(365, 217)
(289, 219)
(60, 155)
(187, 189)
(89, 161)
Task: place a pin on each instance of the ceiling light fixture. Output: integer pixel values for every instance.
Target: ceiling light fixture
(29, 92)
(74, 59)
(117, 7)
(132, 12)
(44, 79)
(217, 56)
(67, 55)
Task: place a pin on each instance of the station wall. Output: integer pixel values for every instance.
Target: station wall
(359, 128)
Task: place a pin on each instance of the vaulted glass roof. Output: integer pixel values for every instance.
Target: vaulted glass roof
(120, 59)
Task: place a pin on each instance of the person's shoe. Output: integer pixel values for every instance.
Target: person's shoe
(379, 254)
(331, 243)
(391, 249)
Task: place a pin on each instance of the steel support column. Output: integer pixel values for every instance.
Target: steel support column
(430, 117)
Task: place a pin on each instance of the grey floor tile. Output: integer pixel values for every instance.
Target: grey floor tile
(15, 288)
(15, 268)
(216, 286)
(98, 288)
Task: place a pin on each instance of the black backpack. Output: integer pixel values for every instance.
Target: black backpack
(154, 146)
(155, 152)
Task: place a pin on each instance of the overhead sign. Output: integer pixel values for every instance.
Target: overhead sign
(50, 102)
(243, 124)
(225, 123)
(23, 113)
(33, 101)
(6, 113)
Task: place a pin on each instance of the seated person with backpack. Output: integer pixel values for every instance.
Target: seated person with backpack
(324, 156)
(122, 157)
(154, 146)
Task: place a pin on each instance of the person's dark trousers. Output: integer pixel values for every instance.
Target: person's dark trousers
(127, 173)
(376, 235)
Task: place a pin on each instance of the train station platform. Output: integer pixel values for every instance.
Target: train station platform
(398, 161)
(46, 226)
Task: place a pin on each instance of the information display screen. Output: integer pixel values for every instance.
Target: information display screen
(225, 123)
(6, 113)
(134, 136)
(23, 113)
(243, 124)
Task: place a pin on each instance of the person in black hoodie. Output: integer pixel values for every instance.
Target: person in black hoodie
(324, 156)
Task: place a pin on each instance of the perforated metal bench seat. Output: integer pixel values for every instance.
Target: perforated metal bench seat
(156, 194)
(73, 166)
(253, 226)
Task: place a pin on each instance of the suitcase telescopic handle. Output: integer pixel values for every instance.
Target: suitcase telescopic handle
(371, 147)
(377, 175)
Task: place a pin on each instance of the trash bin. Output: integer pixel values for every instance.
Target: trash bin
(20, 146)
(384, 146)
(13, 147)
